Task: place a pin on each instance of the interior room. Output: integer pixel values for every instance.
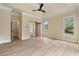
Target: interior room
(39, 29)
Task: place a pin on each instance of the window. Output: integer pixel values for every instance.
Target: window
(45, 26)
(69, 25)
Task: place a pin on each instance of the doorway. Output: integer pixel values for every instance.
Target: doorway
(15, 25)
(35, 29)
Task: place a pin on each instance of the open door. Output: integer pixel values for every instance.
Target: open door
(37, 29)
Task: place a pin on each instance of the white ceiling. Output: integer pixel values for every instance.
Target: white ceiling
(57, 8)
(51, 9)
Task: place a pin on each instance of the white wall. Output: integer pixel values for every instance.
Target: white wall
(5, 24)
(56, 27)
(25, 27)
(26, 18)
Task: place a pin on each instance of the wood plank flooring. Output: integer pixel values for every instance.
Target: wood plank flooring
(39, 47)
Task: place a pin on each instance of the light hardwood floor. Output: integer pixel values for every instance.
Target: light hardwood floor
(39, 47)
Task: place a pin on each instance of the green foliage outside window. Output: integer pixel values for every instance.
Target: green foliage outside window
(69, 25)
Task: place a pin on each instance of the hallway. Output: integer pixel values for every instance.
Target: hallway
(39, 46)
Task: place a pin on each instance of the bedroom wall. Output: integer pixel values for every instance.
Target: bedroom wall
(55, 26)
(25, 27)
(5, 24)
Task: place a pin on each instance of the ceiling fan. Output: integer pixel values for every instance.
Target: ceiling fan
(40, 8)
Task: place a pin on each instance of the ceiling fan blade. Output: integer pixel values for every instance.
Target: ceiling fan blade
(34, 10)
(43, 11)
(41, 5)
